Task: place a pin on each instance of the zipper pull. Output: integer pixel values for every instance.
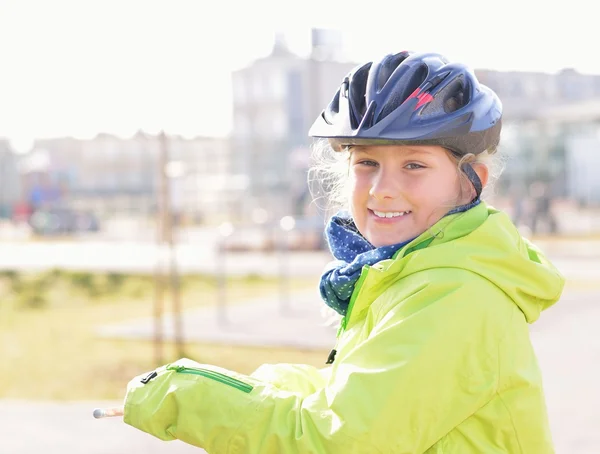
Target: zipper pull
(331, 356)
(149, 377)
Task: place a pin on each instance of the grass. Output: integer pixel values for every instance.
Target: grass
(49, 350)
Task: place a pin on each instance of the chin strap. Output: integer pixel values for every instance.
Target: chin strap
(473, 178)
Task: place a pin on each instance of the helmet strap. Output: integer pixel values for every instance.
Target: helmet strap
(473, 178)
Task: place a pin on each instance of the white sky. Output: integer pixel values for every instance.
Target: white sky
(80, 67)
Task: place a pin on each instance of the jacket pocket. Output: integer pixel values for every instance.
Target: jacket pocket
(213, 375)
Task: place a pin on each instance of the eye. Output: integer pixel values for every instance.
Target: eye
(367, 162)
(413, 166)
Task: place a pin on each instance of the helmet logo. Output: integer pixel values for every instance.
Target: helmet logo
(423, 98)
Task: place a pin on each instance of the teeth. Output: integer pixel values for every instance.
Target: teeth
(390, 214)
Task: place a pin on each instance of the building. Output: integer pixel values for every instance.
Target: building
(526, 94)
(113, 176)
(203, 187)
(550, 124)
(569, 148)
(276, 99)
(9, 180)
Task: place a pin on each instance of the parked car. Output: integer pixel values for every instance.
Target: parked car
(62, 221)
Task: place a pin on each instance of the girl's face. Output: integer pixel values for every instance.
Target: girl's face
(399, 191)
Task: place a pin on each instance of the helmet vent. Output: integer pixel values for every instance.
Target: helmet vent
(455, 95)
(356, 95)
(403, 89)
(388, 67)
(332, 109)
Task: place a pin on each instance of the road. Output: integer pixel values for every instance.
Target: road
(142, 257)
(579, 260)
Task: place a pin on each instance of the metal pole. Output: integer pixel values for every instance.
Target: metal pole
(159, 280)
(286, 224)
(221, 284)
(284, 292)
(159, 290)
(171, 243)
(176, 295)
(225, 230)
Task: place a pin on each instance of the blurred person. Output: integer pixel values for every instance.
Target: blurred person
(434, 289)
(542, 207)
(518, 198)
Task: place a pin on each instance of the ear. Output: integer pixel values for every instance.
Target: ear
(482, 172)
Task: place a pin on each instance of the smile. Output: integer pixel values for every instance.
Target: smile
(389, 214)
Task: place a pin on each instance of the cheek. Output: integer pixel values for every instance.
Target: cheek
(421, 192)
(358, 196)
(358, 189)
(355, 200)
(441, 191)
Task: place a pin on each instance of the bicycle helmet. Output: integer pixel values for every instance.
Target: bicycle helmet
(413, 99)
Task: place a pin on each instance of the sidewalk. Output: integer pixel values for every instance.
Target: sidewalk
(264, 322)
(69, 428)
(295, 321)
(570, 248)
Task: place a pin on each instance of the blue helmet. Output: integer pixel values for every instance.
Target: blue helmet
(412, 99)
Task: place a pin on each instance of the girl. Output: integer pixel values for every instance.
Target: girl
(435, 289)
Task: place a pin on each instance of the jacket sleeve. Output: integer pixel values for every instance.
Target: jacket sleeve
(301, 379)
(429, 362)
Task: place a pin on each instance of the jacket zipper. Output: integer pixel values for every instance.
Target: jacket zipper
(217, 376)
(355, 293)
(359, 283)
(344, 323)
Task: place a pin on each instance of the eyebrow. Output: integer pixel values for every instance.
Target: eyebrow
(409, 150)
(419, 151)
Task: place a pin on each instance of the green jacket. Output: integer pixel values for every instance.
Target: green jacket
(434, 356)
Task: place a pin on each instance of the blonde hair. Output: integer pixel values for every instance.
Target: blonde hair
(328, 177)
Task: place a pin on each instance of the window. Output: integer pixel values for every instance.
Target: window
(240, 90)
(279, 124)
(274, 85)
(242, 126)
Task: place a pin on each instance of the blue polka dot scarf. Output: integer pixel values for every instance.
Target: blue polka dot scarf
(352, 252)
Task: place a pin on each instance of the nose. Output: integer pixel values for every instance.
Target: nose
(386, 185)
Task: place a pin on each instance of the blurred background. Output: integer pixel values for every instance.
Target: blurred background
(154, 200)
